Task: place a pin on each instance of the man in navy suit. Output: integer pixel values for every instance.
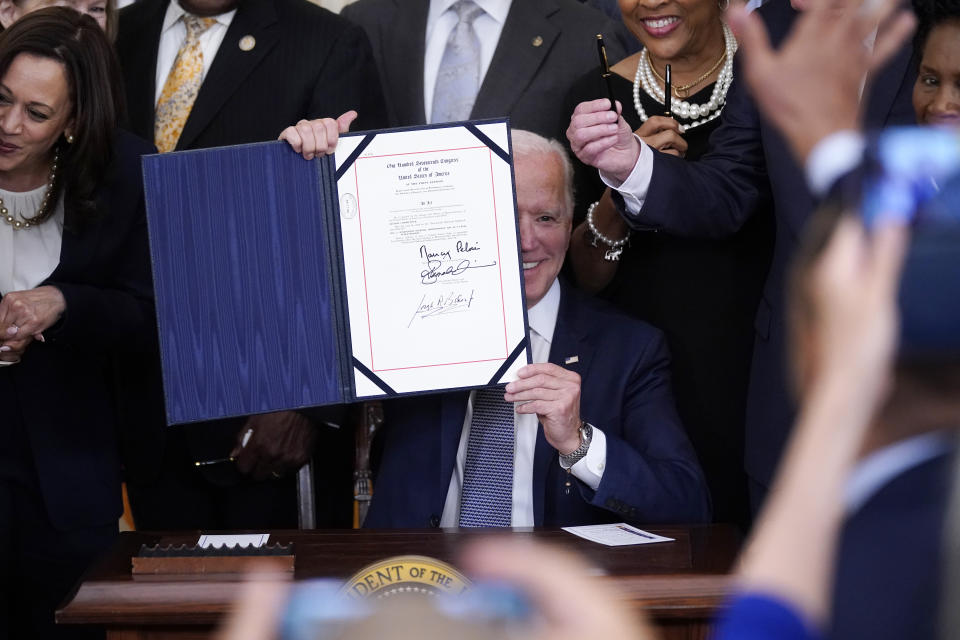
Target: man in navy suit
(748, 164)
(596, 433)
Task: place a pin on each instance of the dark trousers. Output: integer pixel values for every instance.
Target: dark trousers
(40, 565)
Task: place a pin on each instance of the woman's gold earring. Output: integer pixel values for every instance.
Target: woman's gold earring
(70, 138)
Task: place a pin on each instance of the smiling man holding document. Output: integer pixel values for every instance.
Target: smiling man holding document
(588, 434)
(611, 446)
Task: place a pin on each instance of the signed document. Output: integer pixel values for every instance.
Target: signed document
(431, 258)
(389, 268)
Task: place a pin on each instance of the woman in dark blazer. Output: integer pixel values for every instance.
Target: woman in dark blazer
(76, 292)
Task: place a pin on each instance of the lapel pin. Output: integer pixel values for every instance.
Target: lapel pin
(247, 43)
(572, 360)
(537, 41)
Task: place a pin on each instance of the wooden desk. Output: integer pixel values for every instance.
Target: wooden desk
(678, 584)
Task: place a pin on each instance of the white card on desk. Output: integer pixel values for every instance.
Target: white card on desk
(237, 540)
(616, 535)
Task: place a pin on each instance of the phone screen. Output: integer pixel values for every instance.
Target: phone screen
(913, 176)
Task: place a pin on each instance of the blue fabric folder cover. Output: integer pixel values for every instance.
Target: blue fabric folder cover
(245, 280)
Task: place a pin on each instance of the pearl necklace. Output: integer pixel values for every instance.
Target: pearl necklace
(28, 223)
(708, 111)
(684, 90)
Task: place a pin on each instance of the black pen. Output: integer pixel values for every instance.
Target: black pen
(605, 71)
(635, 532)
(667, 107)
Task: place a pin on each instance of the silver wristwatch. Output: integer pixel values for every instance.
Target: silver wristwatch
(572, 458)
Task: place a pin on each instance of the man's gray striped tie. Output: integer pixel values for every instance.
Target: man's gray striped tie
(486, 497)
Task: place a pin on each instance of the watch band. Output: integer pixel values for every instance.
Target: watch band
(572, 458)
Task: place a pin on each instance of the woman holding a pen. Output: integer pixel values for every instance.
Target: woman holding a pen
(702, 293)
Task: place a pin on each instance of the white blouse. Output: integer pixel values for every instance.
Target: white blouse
(28, 256)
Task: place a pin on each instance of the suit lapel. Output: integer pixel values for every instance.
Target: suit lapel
(516, 58)
(569, 342)
(79, 246)
(403, 53)
(885, 86)
(140, 66)
(232, 65)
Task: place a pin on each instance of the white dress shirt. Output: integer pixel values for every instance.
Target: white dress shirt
(440, 23)
(589, 469)
(29, 256)
(174, 32)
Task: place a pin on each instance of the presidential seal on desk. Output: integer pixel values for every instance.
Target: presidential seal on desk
(405, 575)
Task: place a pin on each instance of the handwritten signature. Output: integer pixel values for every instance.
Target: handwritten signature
(443, 262)
(452, 302)
(437, 269)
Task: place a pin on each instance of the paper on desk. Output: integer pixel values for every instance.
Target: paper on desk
(616, 535)
(239, 540)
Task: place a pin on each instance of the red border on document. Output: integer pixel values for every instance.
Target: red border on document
(503, 309)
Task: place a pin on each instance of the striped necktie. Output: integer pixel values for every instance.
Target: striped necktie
(486, 497)
(458, 79)
(182, 85)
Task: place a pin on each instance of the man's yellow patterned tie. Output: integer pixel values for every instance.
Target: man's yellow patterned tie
(182, 85)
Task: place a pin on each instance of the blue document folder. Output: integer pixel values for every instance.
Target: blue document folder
(245, 280)
(251, 284)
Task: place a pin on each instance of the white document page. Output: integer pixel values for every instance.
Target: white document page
(616, 535)
(431, 258)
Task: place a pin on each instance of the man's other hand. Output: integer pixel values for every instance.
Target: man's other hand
(279, 443)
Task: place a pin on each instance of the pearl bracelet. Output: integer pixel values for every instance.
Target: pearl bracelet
(616, 246)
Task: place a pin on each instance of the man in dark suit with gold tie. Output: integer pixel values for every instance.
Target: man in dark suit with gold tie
(206, 73)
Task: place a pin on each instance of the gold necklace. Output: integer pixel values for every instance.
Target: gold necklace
(682, 91)
(28, 223)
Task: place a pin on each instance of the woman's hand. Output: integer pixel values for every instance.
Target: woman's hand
(311, 138)
(25, 315)
(663, 134)
(602, 139)
(12, 350)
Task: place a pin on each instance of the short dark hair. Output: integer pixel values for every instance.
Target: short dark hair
(94, 85)
(931, 14)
